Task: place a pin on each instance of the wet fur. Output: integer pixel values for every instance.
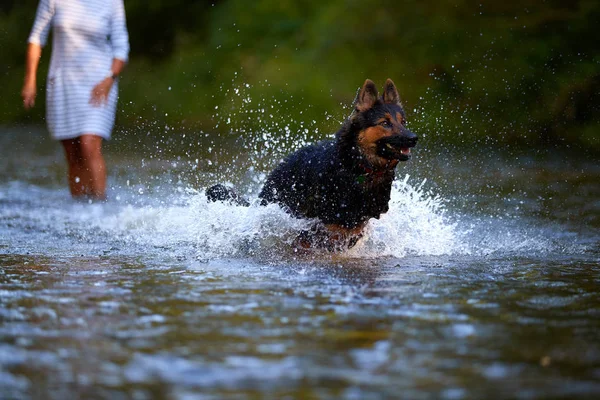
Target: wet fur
(345, 181)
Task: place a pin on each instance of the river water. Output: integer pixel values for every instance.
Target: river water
(480, 282)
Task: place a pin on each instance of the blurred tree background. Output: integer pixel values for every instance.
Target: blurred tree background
(523, 72)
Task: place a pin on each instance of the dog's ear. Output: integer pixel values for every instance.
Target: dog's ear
(390, 93)
(366, 97)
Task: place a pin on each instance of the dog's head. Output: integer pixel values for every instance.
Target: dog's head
(382, 137)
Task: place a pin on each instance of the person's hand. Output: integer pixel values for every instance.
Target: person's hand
(28, 94)
(100, 92)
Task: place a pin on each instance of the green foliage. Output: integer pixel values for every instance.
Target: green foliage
(522, 71)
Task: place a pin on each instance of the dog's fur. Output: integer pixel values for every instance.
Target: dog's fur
(345, 181)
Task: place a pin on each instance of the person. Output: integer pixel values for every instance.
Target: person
(90, 47)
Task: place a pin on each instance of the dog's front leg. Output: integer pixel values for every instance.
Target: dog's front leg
(330, 237)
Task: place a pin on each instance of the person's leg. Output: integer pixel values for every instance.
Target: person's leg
(78, 176)
(93, 163)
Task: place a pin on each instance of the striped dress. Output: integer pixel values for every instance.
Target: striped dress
(86, 36)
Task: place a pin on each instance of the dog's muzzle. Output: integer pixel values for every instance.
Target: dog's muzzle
(397, 147)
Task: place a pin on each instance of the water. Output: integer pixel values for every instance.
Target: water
(480, 282)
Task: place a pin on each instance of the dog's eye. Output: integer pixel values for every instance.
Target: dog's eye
(386, 124)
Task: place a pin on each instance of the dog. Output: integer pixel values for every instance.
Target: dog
(345, 181)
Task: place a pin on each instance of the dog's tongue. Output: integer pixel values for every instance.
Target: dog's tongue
(405, 151)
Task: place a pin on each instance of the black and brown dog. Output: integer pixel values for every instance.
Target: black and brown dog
(345, 181)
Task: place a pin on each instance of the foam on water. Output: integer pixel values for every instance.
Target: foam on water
(418, 223)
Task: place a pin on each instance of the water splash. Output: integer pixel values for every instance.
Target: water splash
(187, 225)
(416, 223)
(164, 210)
(269, 128)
